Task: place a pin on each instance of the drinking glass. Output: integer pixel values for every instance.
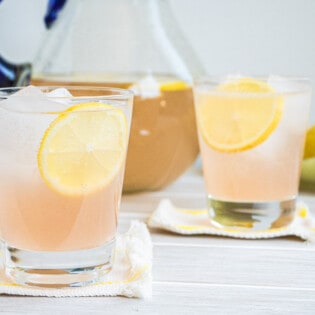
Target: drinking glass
(251, 135)
(62, 161)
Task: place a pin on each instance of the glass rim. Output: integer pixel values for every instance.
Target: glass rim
(123, 95)
(119, 93)
(217, 80)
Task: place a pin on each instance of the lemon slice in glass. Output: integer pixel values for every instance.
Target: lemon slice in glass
(83, 148)
(240, 119)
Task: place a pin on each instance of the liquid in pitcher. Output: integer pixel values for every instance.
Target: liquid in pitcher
(163, 139)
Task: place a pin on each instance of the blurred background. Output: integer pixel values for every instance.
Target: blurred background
(248, 37)
(228, 36)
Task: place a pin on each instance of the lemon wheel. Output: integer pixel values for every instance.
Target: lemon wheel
(238, 120)
(83, 148)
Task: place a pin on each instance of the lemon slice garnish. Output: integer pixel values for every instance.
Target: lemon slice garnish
(173, 86)
(83, 149)
(232, 123)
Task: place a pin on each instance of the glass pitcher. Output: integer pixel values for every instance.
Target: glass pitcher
(134, 44)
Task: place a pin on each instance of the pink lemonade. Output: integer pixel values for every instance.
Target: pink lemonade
(251, 135)
(267, 172)
(34, 217)
(62, 165)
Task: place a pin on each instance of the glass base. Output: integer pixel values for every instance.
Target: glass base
(58, 269)
(251, 216)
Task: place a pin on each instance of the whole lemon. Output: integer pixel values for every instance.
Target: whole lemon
(308, 164)
(309, 150)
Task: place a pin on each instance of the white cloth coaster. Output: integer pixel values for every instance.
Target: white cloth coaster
(130, 275)
(196, 221)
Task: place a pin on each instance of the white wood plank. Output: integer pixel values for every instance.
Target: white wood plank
(228, 265)
(162, 237)
(175, 298)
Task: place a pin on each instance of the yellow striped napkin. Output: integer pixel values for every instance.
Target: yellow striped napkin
(196, 221)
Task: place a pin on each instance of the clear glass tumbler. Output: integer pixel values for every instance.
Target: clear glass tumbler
(61, 164)
(251, 135)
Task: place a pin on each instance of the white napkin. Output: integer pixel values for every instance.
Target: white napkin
(130, 275)
(196, 221)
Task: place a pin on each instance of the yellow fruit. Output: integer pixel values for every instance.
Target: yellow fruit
(309, 149)
(245, 85)
(83, 148)
(242, 118)
(308, 171)
(173, 86)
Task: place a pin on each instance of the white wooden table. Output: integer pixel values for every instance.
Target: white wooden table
(201, 274)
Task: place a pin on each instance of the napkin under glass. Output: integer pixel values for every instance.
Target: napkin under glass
(130, 275)
(196, 222)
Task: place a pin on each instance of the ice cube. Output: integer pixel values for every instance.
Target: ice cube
(23, 128)
(60, 95)
(22, 131)
(30, 90)
(59, 92)
(280, 84)
(233, 77)
(148, 87)
(32, 100)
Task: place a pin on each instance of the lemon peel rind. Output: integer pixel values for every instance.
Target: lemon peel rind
(173, 86)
